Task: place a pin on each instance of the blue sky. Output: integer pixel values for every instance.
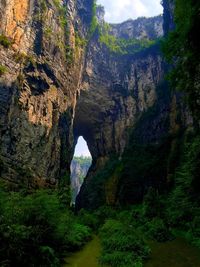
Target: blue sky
(82, 148)
(121, 10)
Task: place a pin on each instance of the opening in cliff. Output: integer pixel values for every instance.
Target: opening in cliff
(80, 165)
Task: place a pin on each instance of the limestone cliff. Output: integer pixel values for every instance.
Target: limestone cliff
(79, 168)
(116, 90)
(38, 88)
(125, 103)
(62, 75)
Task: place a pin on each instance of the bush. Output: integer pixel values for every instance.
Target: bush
(183, 202)
(35, 230)
(4, 41)
(122, 245)
(88, 218)
(153, 206)
(157, 230)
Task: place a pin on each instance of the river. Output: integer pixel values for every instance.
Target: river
(87, 257)
(176, 253)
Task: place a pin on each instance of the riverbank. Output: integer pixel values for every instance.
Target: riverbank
(87, 257)
(176, 253)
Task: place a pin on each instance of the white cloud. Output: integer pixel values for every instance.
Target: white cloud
(121, 10)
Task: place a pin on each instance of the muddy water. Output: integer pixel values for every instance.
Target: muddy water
(176, 253)
(87, 257)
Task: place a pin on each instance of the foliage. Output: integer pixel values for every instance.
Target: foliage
(182, 50)
(152, 204)
(89, 219)
(122, 245)
(79, 41)
(94, 22)
(4, 41)
(83, 160)
(35, 229)
(185, 195)
(157, 230)
(43, 6)
(3, 70)
(64, 191)
(121, 45)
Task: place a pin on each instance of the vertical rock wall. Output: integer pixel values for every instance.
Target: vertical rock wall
(39, 86)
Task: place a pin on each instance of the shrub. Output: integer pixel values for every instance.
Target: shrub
(121, 45)
(153, 206)
(157, 230)
(88, 218)
(35, 230)
(122, 245)
(94, 22)
(4, 41)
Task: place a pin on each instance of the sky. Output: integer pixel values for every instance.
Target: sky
(121, 10)
(82, 148)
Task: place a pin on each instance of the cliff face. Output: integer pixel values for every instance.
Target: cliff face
(150, 28)
(38, 88)
(116, 91)
(52, 92)
(168, 15)
(126, 109)
(79, 168)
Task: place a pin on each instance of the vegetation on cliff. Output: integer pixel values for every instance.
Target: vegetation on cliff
(122, 46)
(182, 50)
(4, 41)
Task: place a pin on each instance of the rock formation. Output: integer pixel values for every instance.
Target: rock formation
(125, 95)
(63, 76)
(79, 168)
(39, 88)
(116, 90)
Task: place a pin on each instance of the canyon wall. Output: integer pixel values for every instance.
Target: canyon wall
(65, 74)
(79, 168)
(42, 67)
(125, 110)
(116, 90)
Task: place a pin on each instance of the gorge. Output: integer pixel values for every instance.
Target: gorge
(131, 90)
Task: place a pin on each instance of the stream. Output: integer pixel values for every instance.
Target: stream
(176, 253)
(87, 257)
